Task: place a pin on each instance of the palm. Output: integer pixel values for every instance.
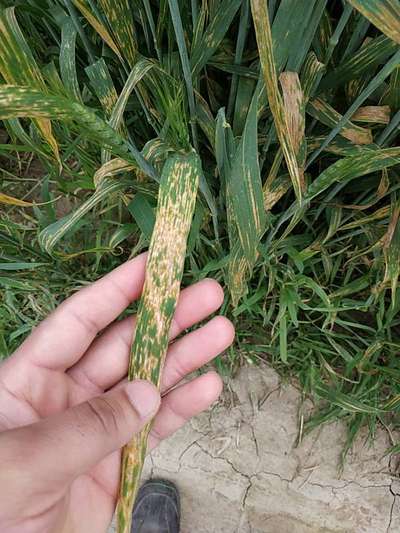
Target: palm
(64, 363)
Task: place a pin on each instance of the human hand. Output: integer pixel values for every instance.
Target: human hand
(61, 433)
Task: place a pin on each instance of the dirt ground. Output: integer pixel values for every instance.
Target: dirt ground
(239, 470)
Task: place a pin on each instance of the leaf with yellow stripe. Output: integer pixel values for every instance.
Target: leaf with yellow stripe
(97, 25)
(363, 62)
(176, 203)
(295, 114)
(18, 66)
(239, 171)
(206, 46)
(311, 75)
(20, 102)
(244, 188)
(52, 234)
(384, 14)
(374, 114)
(276, 190)
(325, 113)
(265, 49)
(103, 85)
(140, 70)
(120, 19)
(121, 37)
(67, 59)
(112, 168)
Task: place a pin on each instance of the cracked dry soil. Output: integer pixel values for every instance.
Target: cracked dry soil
(239, 468)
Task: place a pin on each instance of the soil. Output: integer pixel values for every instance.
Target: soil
(240, 469)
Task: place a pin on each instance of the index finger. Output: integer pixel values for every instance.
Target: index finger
(62, 338)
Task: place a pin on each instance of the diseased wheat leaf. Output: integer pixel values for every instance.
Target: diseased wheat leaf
(52, 234)
(311, 75)
(265, 47)
(325, 113)
(138, 72)
(214, 34)
(349, 168)
(23, 102)
(120, 19)
(379, 114)
(295, 115)
(84, 8)
(176, 202)
(112, 168)
(177, 22)
(384, 14)
(245, 189)
(370, 88)
(275, 190)
(18, 66)
(373, 54)
(103, 85)
(67, 60)
(393, 97)
(238, 268)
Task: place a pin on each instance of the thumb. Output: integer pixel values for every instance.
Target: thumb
(71, 443)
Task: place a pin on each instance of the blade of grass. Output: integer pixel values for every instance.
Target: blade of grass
(72, 12)
(240, 43)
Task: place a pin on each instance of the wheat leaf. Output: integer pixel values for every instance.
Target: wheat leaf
(176, 202)
(18, 66)
(384, 14)
(265, 48)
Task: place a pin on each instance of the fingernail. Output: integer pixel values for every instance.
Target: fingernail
(144, 397)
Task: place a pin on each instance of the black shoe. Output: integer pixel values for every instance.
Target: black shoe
(157, 508)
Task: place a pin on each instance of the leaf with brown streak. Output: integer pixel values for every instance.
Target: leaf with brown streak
(265, 49)
(325, 113)
(294, 107)
(176, 202)
(376, 114)
(384, 14)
